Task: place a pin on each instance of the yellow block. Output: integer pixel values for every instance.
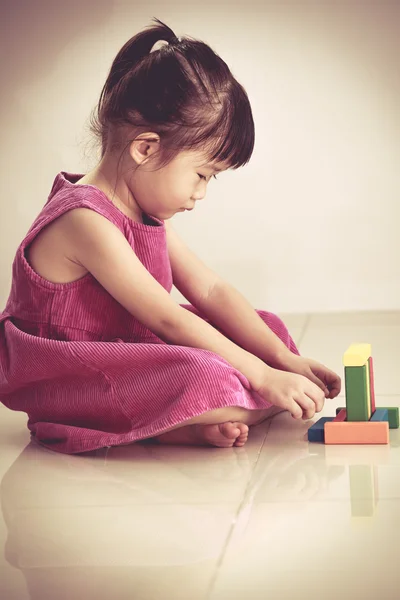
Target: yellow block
(357, 355)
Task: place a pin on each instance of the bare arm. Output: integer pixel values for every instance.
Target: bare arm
(102, 249)
(229, 310)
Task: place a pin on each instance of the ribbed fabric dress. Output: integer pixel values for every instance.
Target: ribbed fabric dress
(86, 372)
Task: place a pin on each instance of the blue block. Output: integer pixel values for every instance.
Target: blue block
(393, 416)
(316, 432)
(380, 414)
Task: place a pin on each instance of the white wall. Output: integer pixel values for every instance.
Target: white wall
(311, 224)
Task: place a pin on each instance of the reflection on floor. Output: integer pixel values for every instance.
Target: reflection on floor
(280, 518)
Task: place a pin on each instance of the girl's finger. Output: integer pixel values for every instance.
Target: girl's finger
(296, 411)
(307, 405)
(310, 375)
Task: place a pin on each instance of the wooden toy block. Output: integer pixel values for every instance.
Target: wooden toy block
(356, 432)
(340, 416)
(316, 431)
(371, 383)
(363, 488)
(360, 422)
(393, 412)
(358, 402)
(357, 355)
(380, 414)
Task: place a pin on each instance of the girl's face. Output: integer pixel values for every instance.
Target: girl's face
(174, 188)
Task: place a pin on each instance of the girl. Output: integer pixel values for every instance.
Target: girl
(92, 346)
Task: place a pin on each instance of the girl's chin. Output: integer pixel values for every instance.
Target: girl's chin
(167, 214)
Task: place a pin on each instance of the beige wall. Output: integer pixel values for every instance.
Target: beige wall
(312, 223)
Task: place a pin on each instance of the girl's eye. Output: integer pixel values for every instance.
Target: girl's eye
(202, 176)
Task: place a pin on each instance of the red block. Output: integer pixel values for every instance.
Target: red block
(371, 385)
(341, 416)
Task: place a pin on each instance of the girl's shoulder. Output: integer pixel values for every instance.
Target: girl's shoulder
(50, 254)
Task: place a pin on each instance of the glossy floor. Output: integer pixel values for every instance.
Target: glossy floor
(279, 518)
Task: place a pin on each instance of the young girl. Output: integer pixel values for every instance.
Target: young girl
(92, 346)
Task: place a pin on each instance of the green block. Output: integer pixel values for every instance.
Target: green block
(393, 412)
(357, 397)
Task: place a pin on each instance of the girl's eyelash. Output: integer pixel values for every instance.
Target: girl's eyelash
(202, 176)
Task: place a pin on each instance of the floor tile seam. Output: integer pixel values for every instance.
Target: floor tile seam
(377, 394)
(235, 517)
(350, 313)
(315, 326)
(224, 549)
(127, 505)
(303, 330)
(337, 500)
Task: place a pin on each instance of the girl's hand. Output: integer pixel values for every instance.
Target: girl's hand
(292, 392)
(327, 380)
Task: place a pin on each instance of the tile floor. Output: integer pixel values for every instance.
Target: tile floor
(277, 519)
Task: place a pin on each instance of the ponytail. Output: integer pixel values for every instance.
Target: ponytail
(135, 50)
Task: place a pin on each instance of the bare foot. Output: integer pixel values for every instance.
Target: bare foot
(223, 435)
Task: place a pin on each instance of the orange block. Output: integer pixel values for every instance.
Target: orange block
(356, 432)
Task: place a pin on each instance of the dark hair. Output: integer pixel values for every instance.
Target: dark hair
(184, 92)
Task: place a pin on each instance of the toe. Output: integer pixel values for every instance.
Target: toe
(243, 428)
(241, 440)
(244, 432)
(230, 430)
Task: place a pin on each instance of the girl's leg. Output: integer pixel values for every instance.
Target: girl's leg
(221, 427)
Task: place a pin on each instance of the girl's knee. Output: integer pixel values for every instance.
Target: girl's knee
(276, 325)
(274, 322)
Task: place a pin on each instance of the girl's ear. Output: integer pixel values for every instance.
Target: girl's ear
(143, 146)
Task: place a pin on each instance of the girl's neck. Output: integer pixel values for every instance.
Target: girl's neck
(98, 177)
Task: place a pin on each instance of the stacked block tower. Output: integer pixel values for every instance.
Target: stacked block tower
(360, 422)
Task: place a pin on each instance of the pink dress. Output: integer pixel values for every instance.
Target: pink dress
(86, 372)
